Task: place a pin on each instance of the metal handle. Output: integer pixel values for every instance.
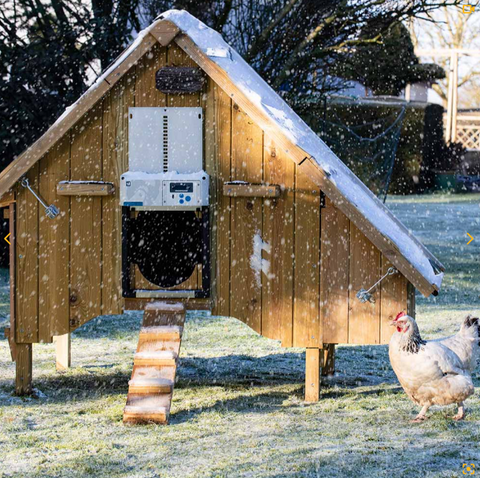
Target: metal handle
(365, 295)
(51, 211)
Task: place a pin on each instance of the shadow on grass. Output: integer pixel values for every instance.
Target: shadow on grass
(240, 373)
(266, 402)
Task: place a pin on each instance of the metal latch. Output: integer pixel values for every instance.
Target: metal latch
(51, 211)
(366, 296)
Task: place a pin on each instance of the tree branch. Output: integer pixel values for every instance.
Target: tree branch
(223, 17)
(261, 39)
(302, 45)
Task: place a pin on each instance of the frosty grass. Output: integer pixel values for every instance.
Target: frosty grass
(238, 405)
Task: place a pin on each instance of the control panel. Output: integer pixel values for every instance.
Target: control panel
(165, 191)
(182, 193)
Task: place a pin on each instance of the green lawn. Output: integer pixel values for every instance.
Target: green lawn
(238, 405)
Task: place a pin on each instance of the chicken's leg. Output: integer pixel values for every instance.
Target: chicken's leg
(422, 415)
(461, 412)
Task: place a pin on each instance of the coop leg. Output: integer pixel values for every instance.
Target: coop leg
(63, 352)
(23, 377)
(328, 360)
(312, 374)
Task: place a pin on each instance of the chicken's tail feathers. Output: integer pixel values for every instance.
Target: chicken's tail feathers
(471, 326)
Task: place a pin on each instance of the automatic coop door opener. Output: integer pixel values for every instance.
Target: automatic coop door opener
(165, 202)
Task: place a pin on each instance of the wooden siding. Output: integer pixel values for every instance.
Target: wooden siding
(115, 163)
(335, 290)
(27, 279)
(307, 331)
(315, 260)
(349, 263)
(54, 249)
(86, 219)
(278, 225)
(245, 221)
(222, 231)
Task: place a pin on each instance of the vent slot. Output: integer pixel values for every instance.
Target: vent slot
(165, 144)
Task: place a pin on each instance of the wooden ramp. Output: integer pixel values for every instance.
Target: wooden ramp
(150, 389)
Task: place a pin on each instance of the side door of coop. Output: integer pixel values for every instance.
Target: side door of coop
(350, 262)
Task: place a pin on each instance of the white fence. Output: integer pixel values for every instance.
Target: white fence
(468, 132)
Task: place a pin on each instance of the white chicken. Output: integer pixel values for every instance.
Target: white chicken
(435, 372)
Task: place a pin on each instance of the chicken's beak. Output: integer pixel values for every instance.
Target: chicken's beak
(393, 323)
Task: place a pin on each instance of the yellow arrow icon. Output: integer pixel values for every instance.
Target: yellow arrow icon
(471, 238)
(7, 237)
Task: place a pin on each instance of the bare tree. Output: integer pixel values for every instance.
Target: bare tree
(448, 27)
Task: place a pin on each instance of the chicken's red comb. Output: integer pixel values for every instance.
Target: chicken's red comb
(401, 314)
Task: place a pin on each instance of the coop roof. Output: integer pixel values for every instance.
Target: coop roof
(228, 69)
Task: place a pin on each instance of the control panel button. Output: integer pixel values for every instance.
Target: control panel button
(188, 199)
(181, 201)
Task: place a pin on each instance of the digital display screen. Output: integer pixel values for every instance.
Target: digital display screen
(181, 187)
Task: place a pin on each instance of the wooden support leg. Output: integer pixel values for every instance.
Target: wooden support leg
(312, 374)
(23, 377)
(63, 352)
(328, 360)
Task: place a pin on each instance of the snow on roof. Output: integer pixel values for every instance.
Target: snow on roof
(266, 99)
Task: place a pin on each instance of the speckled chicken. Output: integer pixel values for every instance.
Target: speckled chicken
(435, 372)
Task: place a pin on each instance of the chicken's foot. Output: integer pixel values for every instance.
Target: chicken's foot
(461, 412)
(422, 415)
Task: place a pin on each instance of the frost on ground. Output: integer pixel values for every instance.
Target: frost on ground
(237, 408)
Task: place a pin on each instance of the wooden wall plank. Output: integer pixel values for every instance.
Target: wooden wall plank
(86, 220)
(12, 209)
(27, 261)
(211, 167)
(394, 300)
(278, 231)
(115, 163)
(223, 140)
(334, 271)
(246, 220)
(306, 324)
(54, 257)
(364, 318)
(145, 92)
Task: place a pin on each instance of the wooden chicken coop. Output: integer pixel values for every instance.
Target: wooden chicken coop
(181, 176)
